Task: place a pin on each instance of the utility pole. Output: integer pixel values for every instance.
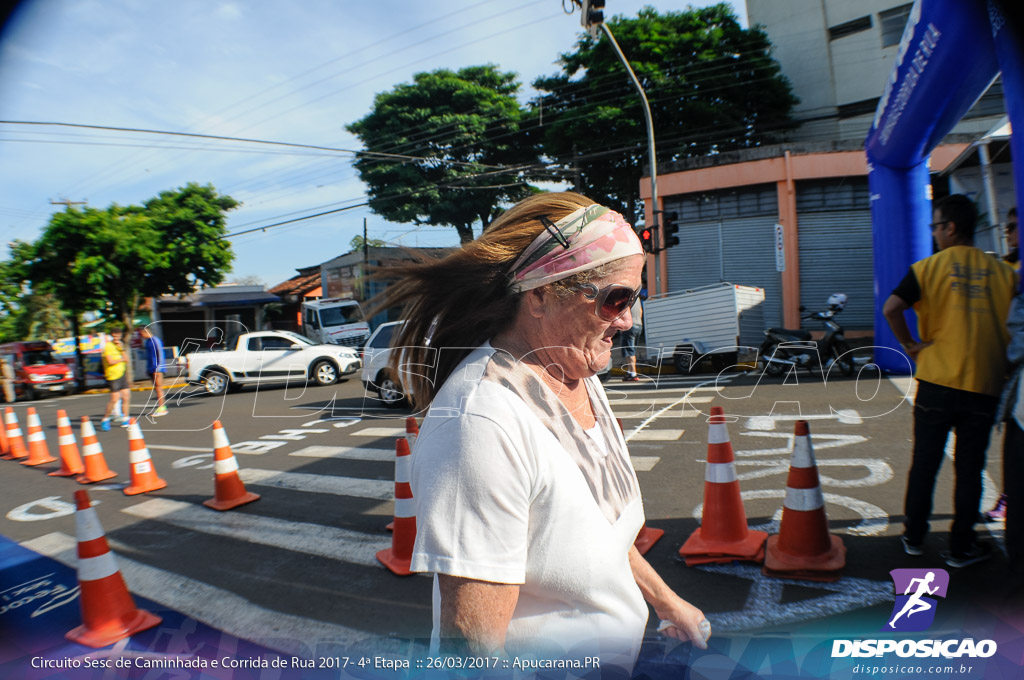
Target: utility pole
(66, 203)
(593, 16)
(366, 264)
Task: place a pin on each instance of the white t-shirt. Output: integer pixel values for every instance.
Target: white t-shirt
(510, 489)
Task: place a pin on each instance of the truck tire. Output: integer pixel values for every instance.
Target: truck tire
(683, 362)
(324, 372)
(216, 381)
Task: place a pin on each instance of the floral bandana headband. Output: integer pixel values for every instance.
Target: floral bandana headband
(584, 239)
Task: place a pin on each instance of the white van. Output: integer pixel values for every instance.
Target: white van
(336, 321)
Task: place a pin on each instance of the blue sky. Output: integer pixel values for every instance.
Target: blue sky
(295, 72)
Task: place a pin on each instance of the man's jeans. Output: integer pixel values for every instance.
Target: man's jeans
(937, 410)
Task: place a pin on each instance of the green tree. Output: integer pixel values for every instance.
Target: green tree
(712, 85)
(357, 242)
(457, 133)
(110, 259)
(27, 312)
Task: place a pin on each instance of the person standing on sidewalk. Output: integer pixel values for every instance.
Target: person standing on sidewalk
(962, 299)
(1011, 411)
(155, 367)
(115, 370)
(1013, 258)
(7, 373)
(629, 339)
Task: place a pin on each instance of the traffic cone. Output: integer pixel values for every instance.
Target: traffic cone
(38, 451)
(108, 610)
(647, 537)
(229, 492)
(804, 548)
(70, 461)
(144, 477)
(723, 535)
(96, 469)
(14, 438)
(5, 446)
(397, 557)
(412, 431)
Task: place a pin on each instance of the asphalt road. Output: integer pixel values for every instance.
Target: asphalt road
(299, 564)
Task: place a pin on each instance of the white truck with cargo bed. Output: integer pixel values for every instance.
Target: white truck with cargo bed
(712, 321)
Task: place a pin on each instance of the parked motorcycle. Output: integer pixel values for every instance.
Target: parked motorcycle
(785, 348)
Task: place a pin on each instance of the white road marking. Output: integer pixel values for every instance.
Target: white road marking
(879, 472)
(767, 423)
(633, 415)
(820, 441)
(349, 452)
(655, 435)
(218, 608)
(644, 463)
(312, 539)
(171, 447)
(765, 607)
(660, 400)
(637, 432)
(874, 521)
(339, 486)
(52, 505)
(380, 432)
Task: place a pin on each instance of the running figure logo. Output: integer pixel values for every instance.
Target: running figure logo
(914, 610)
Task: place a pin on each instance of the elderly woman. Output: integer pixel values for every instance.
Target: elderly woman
(527, 503)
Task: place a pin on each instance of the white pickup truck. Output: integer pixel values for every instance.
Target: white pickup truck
(268, 357)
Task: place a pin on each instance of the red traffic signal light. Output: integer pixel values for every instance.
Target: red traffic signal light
(647, 239)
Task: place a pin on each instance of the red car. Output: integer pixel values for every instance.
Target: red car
(36, 371)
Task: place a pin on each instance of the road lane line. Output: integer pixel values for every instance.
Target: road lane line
(380, 432)
(216, 607)
(660, 400)
(347, 452)
(656, 435)
(339, 486)
(644, 463)
(171, 447)
(312, 539)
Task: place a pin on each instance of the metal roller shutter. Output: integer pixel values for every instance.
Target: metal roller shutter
(697, 260)
(749, 259)
(836, 257)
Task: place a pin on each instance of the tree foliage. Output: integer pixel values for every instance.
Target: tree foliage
(461, 126)
(712, 85)
(109, 259)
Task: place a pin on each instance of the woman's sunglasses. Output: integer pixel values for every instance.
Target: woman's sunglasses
(610, 302)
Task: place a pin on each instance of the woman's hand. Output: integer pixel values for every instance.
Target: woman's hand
(682, 621)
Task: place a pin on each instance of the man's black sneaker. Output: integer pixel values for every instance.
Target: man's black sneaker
(914, 549)
(979, 552)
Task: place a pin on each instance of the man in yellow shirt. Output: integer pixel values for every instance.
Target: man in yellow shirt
(115, 371)
(962, 299)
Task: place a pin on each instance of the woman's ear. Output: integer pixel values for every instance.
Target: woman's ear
(536, 301)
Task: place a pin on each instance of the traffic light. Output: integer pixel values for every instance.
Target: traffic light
(592, 14)
(647, 239)
(670, 222)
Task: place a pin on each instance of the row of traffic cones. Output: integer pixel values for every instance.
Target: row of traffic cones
(803, 548)
(90, 466)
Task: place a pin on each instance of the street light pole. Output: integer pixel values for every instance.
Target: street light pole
(653, 221)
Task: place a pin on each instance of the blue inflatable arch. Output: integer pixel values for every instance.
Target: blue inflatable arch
(950, 52)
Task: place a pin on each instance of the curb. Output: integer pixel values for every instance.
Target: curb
(139, 388)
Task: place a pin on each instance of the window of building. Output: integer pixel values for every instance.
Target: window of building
(849, 27)
(893, 22)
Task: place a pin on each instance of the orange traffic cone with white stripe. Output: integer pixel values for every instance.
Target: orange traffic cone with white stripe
(397, 557)
(647, 537)
(804, 548)
(96, 469)
(14, 438)
(70, 461)
(229, 491)
(5, 446)
(144, 477)
(412, 431)
(38, 451)
(723, 535)
(108, 610)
